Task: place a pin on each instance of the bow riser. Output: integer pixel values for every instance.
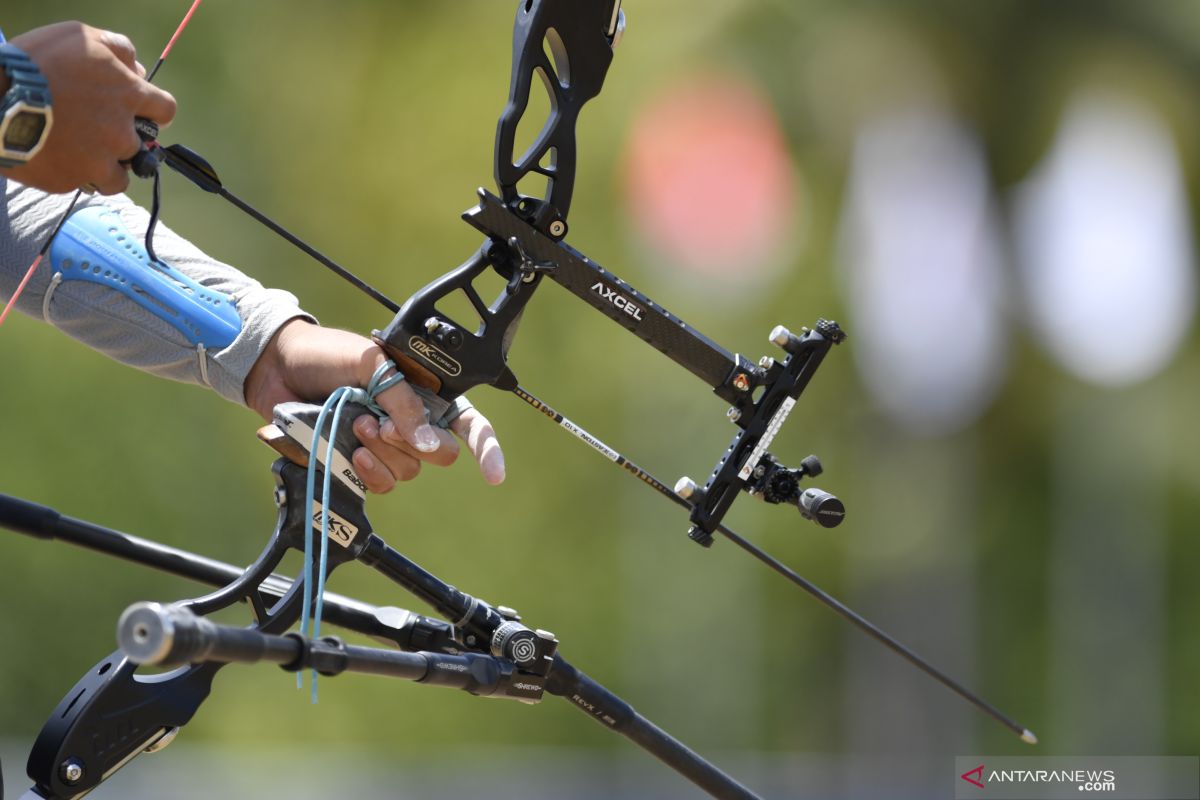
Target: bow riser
(566, 47)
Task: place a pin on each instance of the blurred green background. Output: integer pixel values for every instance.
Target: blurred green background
(1030, 527)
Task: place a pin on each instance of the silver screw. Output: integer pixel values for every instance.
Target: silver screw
(508, 613)
(685, 487)
(432, 324)
(733, 414)
(71, 771)
(766, 362)
(780, 335)
(558, 228)
(545, 635)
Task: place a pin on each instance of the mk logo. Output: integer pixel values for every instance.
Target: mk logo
(434, 356)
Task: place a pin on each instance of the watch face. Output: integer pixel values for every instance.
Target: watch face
(24, 131)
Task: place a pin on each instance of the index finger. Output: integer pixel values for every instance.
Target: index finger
(481, 440)
(155, 104)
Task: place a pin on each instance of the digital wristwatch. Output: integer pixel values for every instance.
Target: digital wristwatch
(25, 113)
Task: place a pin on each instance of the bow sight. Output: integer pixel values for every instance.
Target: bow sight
(114, 713)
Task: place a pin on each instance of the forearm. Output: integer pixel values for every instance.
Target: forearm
(112, 323)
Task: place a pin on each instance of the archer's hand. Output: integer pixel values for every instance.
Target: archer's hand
(307, 362)
(97, 87)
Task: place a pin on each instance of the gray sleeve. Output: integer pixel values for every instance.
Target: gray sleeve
(111, 323)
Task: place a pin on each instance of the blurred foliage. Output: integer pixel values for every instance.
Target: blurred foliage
(366, 126)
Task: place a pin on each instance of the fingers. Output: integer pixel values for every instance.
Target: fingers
(382, 439)
(114, 179)
(379, 464)
(121, 47)
(145, 100)
(111, 176)
(407, 429)
(152, 103)
(385, 458)
(445, 454)
(409, 423)
(481, 440)
(155, 104)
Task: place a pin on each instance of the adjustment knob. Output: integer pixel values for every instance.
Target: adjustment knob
(822, 508)
(811, 466)
(685, 487)
(513, 640)
(781, 487)
(831, 331)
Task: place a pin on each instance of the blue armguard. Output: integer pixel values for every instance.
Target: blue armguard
(94, 245)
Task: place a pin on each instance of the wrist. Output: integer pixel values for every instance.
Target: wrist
(265, 384)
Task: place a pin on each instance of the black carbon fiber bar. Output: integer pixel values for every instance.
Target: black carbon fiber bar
(614, 298)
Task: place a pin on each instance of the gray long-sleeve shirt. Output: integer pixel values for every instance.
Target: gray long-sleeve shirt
(113, 324)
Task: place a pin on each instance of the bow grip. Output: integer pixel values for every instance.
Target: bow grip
(291, 436)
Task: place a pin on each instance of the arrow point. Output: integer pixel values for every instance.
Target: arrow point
(1028, 737)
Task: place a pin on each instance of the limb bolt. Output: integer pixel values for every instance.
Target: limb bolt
(71, 771)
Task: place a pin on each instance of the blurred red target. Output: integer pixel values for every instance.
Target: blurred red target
(710, 184)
